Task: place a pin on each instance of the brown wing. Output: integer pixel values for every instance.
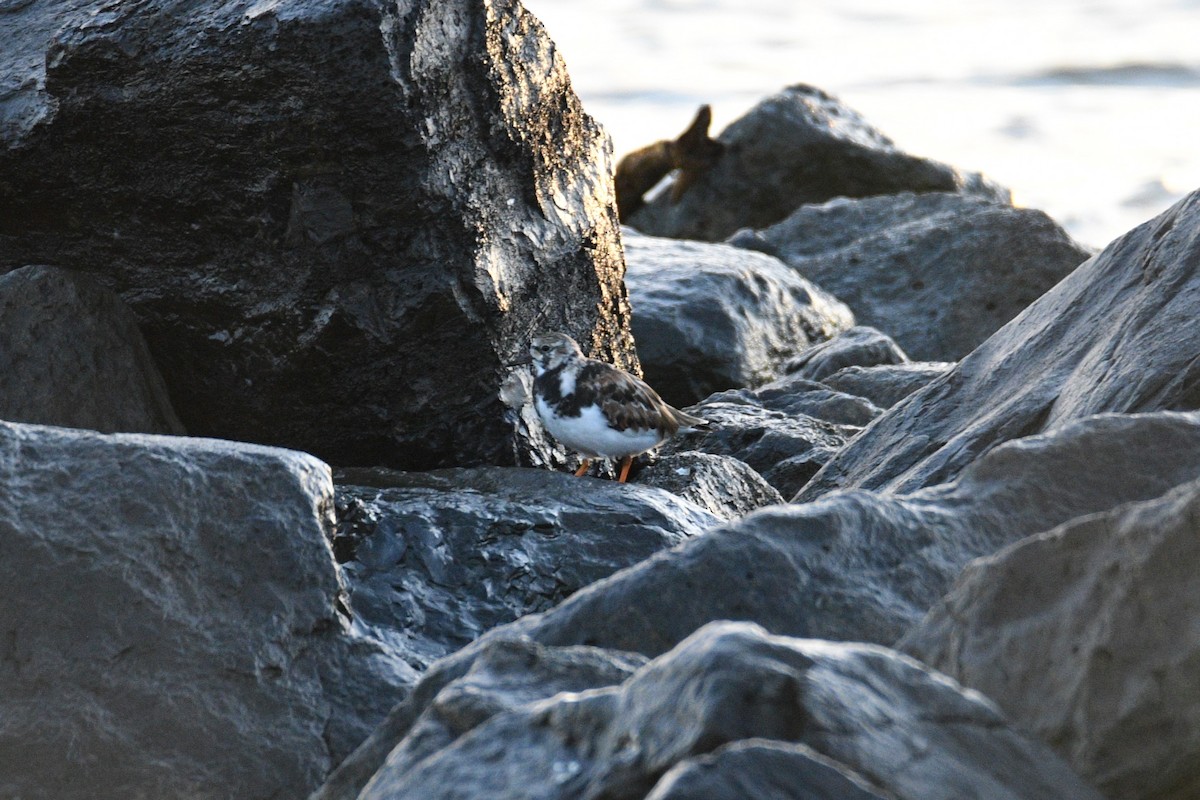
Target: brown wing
(629, 402)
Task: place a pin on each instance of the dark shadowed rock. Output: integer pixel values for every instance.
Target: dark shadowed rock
(854, 565)
(882, 715)
(724, 486)
(709, 317)
(71, 355)
(1083, 636)
(762, 768)
(939, 272)
(335, 221)
(795, 147)
(435, 559)
(886, 385)
(859, 346)
(1116, 335)
(171, 624)
(785, 447)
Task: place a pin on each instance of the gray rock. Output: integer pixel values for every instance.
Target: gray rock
(859, 346)
(795, 147)
(887, 384)
(938, 272)
(171, 623)
(786, 447)
(882, 715)
(71, 355)
(434, 559)
(335, 220)
(709, 317)
(762, 768)
(1116, 335)
(796, 395)
(1082, 635)
(722, 485)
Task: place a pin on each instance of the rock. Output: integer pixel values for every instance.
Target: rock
(795, 147)
(336, 222)
(762, 768)
(796, 395)
(171, 623)
(882, 715)
(855, 565)
(887, 384)
(1081, 635)
(71, 355)
(937, 272)
(786, 448)
(721, 485)
(859, 346)
(435, 559)
(709, 317)
(1113, 336)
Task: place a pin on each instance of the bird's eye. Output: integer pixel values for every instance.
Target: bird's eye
(544, 348)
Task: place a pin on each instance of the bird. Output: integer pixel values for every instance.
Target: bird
(597, 409)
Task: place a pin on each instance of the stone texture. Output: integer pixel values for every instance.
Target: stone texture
(1116, 335)
(797, 146)
(432, 560)
(171, 622)
(885, 385)
(709, 317)
(938, 272)
(884, 716)
(785, 447)
(71, 355)
(854, 565)
(335, 220)
(860, 346)
(761, 768)
(1084, 636)
(722, 485)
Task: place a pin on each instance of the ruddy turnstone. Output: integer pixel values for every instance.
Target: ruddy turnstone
(596, 409)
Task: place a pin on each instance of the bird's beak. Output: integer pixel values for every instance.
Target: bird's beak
(520, 362)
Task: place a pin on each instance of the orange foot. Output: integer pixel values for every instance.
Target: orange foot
(626, 463)
(579, 473)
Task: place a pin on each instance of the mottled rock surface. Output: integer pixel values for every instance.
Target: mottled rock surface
(855, 565)
(860, 346)
(1118, 335)
(880, 714)
(937, 272)
(434, 559)
(71, 355)
(709, 317)
(887, 384)
(1084, 636)
(170, 623)
(335, 221)
(797, 146)
(722, 485)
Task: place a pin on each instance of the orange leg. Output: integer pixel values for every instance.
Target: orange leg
(579, 473)
(626, 463)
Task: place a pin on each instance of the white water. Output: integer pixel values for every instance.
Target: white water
(1087, 109)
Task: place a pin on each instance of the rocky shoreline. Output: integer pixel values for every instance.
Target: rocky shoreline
(937, 543)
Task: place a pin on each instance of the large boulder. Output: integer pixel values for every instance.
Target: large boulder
(880, 715)
(855, 565)
(723, 485)
(797, 146)
(171, 620)
(885, 385)
(71, 355)
(860, 346)
(938, 272)
(336, 221)
(709, 317)
(1115, 335)
(434, 559)
(1083, 635)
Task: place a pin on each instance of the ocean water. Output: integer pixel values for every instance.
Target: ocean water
(1086, 109)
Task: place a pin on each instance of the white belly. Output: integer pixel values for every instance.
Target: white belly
(589, 434)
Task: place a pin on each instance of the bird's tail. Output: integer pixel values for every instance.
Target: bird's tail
(686, 420)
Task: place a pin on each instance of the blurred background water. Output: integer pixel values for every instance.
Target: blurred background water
(1087, 109)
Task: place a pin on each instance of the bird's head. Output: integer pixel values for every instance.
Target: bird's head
(549, 350)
